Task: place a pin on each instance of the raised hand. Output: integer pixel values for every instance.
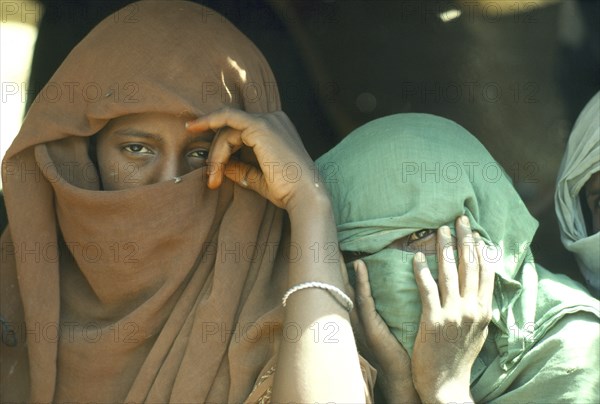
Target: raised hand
(284, 173)
(455, 317)
(379, 345)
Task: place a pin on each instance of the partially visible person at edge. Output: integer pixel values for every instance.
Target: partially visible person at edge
(153, 231)
(393, 182)
(577, 197)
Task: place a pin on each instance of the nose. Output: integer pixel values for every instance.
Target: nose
(172, 166)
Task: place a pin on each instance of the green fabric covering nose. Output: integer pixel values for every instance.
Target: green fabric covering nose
(393, 281)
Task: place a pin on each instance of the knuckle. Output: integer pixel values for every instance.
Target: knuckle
(226, 110)
(452, 319)
(486, 317)
(470, 316)
(262, 124)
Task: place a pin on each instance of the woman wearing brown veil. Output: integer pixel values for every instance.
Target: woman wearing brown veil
(160, 206)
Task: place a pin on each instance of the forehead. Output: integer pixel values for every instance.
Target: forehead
(152, 126)
(148, 119)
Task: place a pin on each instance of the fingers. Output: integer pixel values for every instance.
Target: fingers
(473, 277)
(226, 117)
(428, 290)
(229, 125)
(379, 339)
(468, 264)
(447, 274)
(273, 143)
(486, 275)
(360, 329)
(226, 142)
(366, 304)
(246, 175)
(372, 322)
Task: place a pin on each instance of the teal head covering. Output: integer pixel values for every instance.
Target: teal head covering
(403, 173)
(407, 172)
(580, 161)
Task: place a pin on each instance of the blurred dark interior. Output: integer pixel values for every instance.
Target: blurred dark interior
(514, 73)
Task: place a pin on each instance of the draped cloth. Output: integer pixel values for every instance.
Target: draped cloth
(580, 162)
(403, 173)
(165, 292)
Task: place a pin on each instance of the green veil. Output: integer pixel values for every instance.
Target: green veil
(407, 172)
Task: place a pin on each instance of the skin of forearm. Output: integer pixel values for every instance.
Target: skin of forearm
(319, 363)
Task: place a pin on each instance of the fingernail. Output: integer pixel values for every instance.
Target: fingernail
(445, 230)
(420, 257)
(465, 220)
(476, 234)
(192, 122)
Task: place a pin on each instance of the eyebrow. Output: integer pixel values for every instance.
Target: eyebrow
(129, 132)
(203, 137)
(137, 133)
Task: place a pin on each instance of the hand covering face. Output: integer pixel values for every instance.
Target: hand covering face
(404, 173)
(165, 292)
(580, 162)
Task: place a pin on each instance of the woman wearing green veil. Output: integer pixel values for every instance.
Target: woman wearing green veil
(393, 182)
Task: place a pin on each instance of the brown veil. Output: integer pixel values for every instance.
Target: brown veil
(166, 292)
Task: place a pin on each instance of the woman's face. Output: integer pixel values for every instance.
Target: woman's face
(592, 197)
(145, 148)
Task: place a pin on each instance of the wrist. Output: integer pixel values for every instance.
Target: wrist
(398, 391)
(314, 201)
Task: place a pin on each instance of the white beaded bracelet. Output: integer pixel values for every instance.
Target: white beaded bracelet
(336, 292)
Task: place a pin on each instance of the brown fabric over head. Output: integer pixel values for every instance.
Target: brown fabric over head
(165, 292)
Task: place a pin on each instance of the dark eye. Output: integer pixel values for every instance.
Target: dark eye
(137, 148)
(199, 153)
(350, 256)
(419, 235)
